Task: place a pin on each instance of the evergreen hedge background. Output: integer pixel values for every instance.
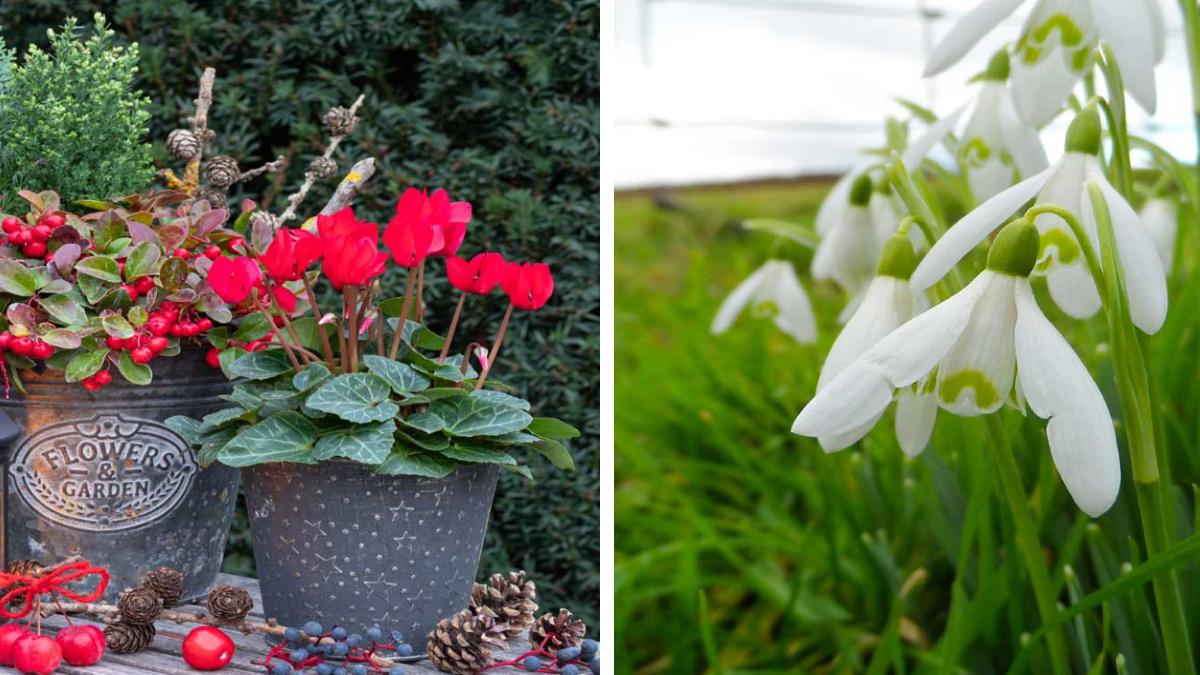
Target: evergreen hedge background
(496, 101)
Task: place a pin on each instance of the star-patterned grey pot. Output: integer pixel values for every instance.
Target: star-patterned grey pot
(338, 544)
(98, 475)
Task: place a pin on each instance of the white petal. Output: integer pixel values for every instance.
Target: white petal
(795, 315)
(915, 415)
(836, 201)
(969, 30)
(1162, 222)
(973, 228)
(1020, 139)
(849, 253)
(1145, 280)
(887, 303)
(838, 442)
(1072, 289)
(855, 397)
(738, 299)
(1128, 30)
(1040, 90)
(1159, 25)
(884, 217)
(928, 140)
(1059, 388)
(908, 353)
(976, 375)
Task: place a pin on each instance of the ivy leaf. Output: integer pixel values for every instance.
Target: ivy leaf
(136, 373)
(552, 429)
(519, 469)
(16, 279)
(187, 428)
(100, 267)
(310, 376)
(85, 365)
(405, 461)
(253, 327)
(260, 365)
(226, 417)
(501, 398)
(142, 260)
(478, 454)
(478, 417)
(424, 421)
(355, 397)
(401, 377)
(63, 309)
(286, 437)
(366, 443)
(556, 453)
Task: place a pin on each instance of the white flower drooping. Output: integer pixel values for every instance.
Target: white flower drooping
(987, 344)
(773, 291)
(853, 223)
(996, 148)
(1057, 46)
(1061, 260)
(1162, 223)
(887, 303)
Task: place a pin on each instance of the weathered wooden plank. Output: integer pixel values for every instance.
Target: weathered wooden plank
(164, 656)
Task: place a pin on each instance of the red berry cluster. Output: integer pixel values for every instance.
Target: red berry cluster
(97, 381)
(214, 355)
(26, 345)
(31, 239)
(34, 654)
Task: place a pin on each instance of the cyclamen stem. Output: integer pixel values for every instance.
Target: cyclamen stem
(420, 291)
(408, 292)
(325, 346)
(291, 331)
(351, 299)
(466, 362)
(271, 322)
(462, 298)
(494, 353)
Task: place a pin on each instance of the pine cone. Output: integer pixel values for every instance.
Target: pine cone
(563, 629)
(166, 583)
(262, 219)
(322, 168)
(510, 599)
(221, 171)
(463, 643)
(139, 607)
(26, 568)
(215, 197)
(183, 144)
(127, 638)
(340, 121)
(229, 604)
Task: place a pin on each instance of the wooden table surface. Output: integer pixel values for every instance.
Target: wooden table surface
(163, 655)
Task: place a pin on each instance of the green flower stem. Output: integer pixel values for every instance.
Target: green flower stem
(1027, 541)
(1191, 35)
(1115, 111)
(1151, 479)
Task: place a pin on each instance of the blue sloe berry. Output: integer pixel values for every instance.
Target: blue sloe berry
(313, 629)
(568, 654)
(339, 633)
(404, 649)
(532, 663)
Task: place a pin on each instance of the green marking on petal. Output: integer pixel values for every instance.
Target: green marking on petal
(1081, 59)
(767, 309)
(1070, 34)
(974, 152)
(1058, 247)
(952, 387)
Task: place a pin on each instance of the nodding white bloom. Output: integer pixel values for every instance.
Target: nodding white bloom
(854, 222)
(1058, 44)
(887, 303)
(987, 344)
(996, 148)
(1162, 223)
(772, 291)
(1061, 260)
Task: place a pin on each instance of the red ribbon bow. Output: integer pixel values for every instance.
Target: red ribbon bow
(28, 591)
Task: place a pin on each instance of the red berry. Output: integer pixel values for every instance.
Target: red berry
(20, 238)
(114, 343)
(39, 655)
(158, 326)
(204, 325)
(22, 346)
(34, 249)
(53, 221)
(251, 345)
(207, 648)
(6, 339)
(9, 634)
(91, 384)
(212, 252)
(102, 377)
(11, 225)
(182, 253)
(42, 350)
(142, 355)
(213, 357)
(42, 233)
(144, 284)
(157, 344)
(82, 645)
(131, 291)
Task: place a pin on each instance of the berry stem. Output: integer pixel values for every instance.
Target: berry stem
(462, 298)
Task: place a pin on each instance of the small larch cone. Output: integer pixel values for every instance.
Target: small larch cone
(463, 644)
(166, 583)
(340, 121)
(183, 144)
(221, 171)
(214, 196)
(511, 599)
(127, 638)
(139, 606)
(322, 168)
(229, 604)
(563, 629)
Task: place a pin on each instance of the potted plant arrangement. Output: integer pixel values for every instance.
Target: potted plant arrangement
(369, 445)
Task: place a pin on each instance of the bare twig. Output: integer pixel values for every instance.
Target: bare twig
(269, 167)
(350, 186)
(296, 198)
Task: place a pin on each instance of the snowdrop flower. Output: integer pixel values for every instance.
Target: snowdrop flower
(852, 234)
(1161, 222)
(1061, 261)
(772, 291)
(1057, 46)
(996, 148)
(887, 303)
(986, 344)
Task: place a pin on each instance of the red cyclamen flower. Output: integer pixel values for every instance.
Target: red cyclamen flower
(528, 285)
(479, 275)
(234, 278)
(290, 254)
(350, 249)
(417, 211)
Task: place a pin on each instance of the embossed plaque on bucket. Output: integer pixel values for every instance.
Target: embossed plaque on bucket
(106, 473)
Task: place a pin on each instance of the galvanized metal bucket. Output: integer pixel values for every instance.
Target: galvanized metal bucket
(98, 475)
(338, 544)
